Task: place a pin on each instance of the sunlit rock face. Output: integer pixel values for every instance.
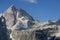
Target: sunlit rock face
(10, 15)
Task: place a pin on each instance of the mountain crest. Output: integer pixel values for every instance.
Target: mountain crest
(12, 7)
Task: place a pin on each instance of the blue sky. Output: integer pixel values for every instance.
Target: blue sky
(42, 10)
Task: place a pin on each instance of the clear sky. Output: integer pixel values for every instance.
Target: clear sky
(42, 10)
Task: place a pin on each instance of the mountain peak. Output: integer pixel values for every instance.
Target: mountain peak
(12, 6)
(12, 9)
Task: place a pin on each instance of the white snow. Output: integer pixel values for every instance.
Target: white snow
(24, 22)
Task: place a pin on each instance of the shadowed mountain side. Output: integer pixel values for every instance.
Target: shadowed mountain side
(3, 29)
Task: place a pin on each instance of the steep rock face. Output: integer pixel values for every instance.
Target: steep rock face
(10, 15)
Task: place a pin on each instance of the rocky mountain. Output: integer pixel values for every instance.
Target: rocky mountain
(15, 17)
(17, 24)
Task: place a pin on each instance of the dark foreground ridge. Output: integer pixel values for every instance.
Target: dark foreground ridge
(3, 29)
